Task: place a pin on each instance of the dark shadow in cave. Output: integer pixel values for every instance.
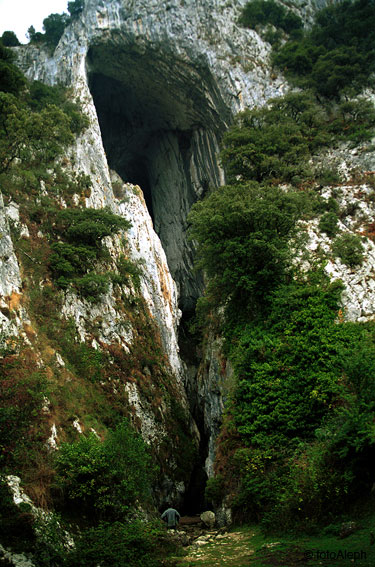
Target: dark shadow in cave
(161, 118)
(137, 173)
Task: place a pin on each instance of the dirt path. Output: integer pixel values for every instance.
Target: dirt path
(215, 548)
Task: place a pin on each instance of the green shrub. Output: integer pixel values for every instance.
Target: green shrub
(11, 79)
(128, 271)
(75, 8)
(275, 143)
(336, 56)
(40, 95)
(68, 260)
(288, 368)
(54, 26)
(91, 286)
(349, 249)
(9, 39)
(301, 409)
(135, 544)
(328, 223)
(243, 234)
(88, 226)
(215, 490)
(269, 12)
(83, 231)
(105, 478)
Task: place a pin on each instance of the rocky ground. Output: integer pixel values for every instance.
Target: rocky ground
(211, 547)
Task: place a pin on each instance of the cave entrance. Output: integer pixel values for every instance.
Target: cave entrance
(161, 118)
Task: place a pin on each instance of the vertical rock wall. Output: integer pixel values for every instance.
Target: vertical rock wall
(160, 83)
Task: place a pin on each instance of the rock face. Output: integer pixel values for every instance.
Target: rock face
(164, 82)
(11, 313)
(160, 82)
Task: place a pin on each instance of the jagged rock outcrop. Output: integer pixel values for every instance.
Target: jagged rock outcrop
(12, 315)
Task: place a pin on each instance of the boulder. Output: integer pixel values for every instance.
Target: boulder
(209, 519)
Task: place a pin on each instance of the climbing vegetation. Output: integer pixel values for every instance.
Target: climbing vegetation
(297, 438)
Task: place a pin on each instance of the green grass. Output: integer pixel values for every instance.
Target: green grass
(247, 546)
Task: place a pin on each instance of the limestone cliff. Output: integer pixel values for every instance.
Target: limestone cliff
(160, 83)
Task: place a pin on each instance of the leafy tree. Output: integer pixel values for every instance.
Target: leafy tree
(9, 39)
(11, 79)
(243, 234)
(54, 26)
(30, 136)
(274, 143)
(75, 8)
(34, 36)
(105, 478)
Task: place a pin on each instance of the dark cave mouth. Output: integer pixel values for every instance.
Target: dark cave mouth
(160, 118)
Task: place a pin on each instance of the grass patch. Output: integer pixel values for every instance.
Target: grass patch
(247, 545)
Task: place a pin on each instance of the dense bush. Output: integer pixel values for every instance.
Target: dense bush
(91, 286)
(288, 367)
(337, 55)
(125, 545)
(11, 79)
(301, 411)
(328, 223)
(36, 123)
(296, 435)
(275, 143)
(80, 233)
(243, 234)
(9, 39)
(269, 12)
(349, 249)
(75, 7)
(88, 226)
(105, 478)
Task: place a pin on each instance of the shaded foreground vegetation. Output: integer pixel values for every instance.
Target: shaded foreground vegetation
(248, 546)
